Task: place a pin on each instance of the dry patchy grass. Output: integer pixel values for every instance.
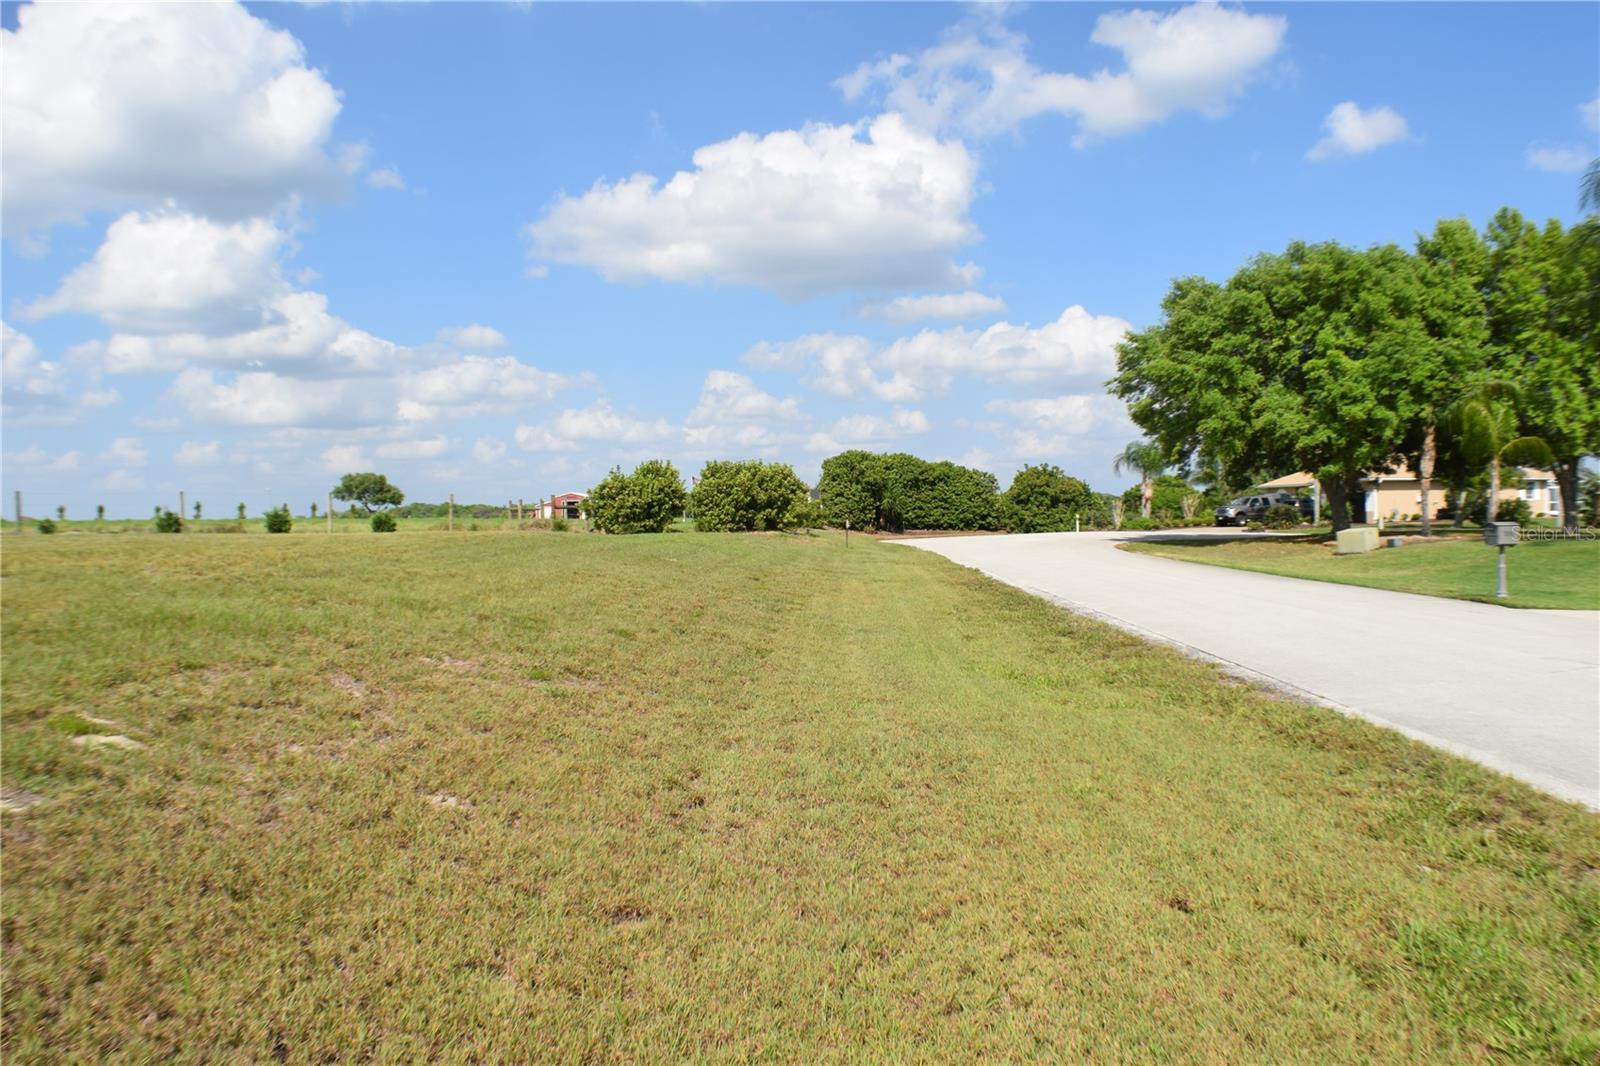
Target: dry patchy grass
(535, 798)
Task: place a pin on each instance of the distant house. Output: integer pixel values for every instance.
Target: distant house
(1398, 495)
(563, 505)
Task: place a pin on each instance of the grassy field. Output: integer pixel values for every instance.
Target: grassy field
(695, 797)
(1563, 574)
(303, 524)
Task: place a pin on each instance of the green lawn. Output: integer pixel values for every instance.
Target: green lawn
(1564, 574)
(695, 797)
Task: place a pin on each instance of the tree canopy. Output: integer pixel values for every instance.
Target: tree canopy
(371, 492)
(1340, 361)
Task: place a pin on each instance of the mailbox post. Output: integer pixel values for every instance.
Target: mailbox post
(1501, 535)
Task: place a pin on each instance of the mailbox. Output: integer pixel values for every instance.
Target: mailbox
(1500, 534)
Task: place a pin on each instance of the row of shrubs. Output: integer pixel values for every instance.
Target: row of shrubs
(859, 490)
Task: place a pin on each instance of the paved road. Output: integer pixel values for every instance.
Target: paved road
(1515, 690)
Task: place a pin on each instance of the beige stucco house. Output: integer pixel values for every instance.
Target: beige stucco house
(1398, 495)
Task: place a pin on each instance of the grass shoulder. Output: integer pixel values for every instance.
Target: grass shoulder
(1552, 574)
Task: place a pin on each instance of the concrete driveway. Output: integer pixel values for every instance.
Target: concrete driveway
(1516, 690)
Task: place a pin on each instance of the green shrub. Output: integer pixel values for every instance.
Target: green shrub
(1512, 510)
(279, 520)
(558, 525)
(747, 496)
(168, 521)
(1166, 497)
(1281, 516)
(1043, 499)
(383, 522)
(809, 514)
(645, 501)
(47, 525)
(899, 491)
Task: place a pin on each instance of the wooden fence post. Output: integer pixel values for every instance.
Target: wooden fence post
(330, 512)
(19, 510)
(452, 521)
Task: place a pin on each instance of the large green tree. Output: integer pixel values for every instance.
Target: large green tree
(1277, 368)
(371, 492)
(1543, 289)
(1437, 345)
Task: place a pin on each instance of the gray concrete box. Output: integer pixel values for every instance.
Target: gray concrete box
(1500, 534)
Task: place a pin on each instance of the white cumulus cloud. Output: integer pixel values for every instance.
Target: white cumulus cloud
(474, 336)
(1559, 159)
(110, 106)
(868, 431)
(125, 451)
(948, 307)
(385, 178)
(872, 205)
(1076, 345)
(978, 78)
(488, 452)
(170, 271)
(596, 424)
(198, 453)
(429, 448)
(1348, 130)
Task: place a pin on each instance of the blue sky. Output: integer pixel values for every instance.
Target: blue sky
(494, 250)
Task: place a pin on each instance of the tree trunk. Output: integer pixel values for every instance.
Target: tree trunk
(1147, 491)
(1493, 504)
(1567, 480)
(1425, 473)
(1338, 502)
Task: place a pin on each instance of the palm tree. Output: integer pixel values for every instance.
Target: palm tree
(1147, 458)
(1483, 421)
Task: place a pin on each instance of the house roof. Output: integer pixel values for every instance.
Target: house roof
(1303, 480)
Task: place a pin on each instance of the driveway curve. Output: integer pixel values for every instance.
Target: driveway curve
(1516, 690)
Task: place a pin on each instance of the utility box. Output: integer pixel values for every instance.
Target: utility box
(1356, 540)
(1500, 534)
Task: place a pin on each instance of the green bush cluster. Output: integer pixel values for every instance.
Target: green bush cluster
(1043, 499)
(645, 501)
(1513, 510)
(747, 496)
(899, 491)
(279, 520)
(1281, 516)
(47, 525)
(1166, 497)
(383, 522)
(168, 521)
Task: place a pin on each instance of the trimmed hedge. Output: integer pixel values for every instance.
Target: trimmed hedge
(645, 501)
(747, 496)
(896, 491)
(1043, 499)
